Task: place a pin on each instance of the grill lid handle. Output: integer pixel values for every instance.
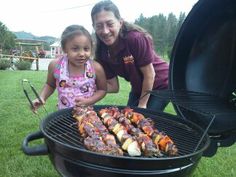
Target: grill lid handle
(36, 150)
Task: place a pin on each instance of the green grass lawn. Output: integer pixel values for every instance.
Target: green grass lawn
(17, 121)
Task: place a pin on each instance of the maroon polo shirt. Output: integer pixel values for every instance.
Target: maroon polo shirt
(134, 51)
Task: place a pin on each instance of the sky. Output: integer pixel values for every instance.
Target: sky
(51, 17)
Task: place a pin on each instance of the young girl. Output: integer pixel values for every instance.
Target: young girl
(79, 80)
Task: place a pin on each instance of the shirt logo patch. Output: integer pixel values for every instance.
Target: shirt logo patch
(128, 59)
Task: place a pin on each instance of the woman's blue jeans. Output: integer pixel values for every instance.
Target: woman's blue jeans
(154, 103)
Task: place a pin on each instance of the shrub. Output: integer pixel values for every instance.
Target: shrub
(4, 64)
(23, 65)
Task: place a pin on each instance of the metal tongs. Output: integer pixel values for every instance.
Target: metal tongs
(34, 91)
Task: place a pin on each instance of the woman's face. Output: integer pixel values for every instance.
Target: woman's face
(107, 26)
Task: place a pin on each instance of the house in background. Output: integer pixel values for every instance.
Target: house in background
(29, 47)
(56, 49)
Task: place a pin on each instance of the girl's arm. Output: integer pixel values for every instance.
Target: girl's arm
(48, 87)
(50, 84)
(148, 80)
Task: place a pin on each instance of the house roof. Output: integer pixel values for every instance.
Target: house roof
(29, 42)
(56, 44)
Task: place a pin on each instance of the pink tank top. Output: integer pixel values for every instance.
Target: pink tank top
(71, 87)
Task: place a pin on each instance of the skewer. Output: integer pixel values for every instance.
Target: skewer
(163, 141)
(96, 136)
(145, 142)
(128, 142)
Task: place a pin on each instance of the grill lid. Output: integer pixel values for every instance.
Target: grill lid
(203, 65)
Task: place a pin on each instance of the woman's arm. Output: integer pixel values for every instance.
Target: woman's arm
(113, 85)
(147, 85)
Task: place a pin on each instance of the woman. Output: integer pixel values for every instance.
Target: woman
(126, 50)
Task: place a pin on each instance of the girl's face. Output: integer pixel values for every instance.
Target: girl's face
(78, 49)
(107, 27)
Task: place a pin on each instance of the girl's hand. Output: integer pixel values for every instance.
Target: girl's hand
(80, 102)
(36, 105)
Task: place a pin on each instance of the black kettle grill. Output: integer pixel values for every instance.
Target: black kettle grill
(202, 85)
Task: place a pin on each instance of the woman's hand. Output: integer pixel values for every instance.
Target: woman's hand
(142, 106)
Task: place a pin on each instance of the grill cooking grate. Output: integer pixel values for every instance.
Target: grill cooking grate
(63, 129)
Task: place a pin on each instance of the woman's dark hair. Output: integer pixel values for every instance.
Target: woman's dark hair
(108, 5)
(73, 30)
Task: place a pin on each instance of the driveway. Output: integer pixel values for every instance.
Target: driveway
(43, 64)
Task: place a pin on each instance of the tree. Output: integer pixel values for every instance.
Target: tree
(171, 30)
(182, 17)
(159, 32)
(7, 38)
(163, 30)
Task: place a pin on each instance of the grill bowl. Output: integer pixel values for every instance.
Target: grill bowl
(64, 146)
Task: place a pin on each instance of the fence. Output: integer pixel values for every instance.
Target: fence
(11, 57)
